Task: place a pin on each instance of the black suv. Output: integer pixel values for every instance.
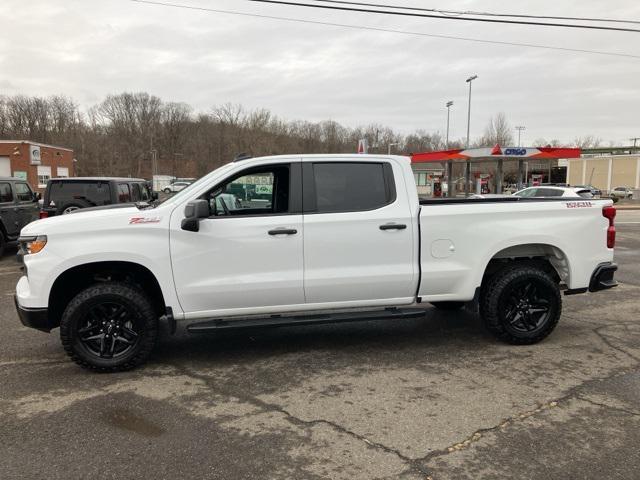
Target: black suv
(18, 206)
(65, 195)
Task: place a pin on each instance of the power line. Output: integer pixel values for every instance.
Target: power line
(385, 30)
(486, 14)
(443, 17)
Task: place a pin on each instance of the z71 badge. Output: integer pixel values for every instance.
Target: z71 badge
(139, 220)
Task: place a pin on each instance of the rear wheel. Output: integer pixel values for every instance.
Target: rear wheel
(3, 244)
(448, 305)
(521, 304)
(109, 327)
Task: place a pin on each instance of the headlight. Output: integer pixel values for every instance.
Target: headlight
(30, 245)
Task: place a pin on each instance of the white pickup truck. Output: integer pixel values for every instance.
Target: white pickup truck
(308, 239)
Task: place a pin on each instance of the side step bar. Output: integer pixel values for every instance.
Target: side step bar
(301, 320)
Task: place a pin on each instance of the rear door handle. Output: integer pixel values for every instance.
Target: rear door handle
(393, 226)
(283, 231)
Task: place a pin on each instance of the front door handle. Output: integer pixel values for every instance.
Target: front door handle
(393, 226)
(283, 231)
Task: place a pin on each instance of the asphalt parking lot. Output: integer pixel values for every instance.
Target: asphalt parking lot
(430, 398)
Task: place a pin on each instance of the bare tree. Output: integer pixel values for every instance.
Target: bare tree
(498, 131)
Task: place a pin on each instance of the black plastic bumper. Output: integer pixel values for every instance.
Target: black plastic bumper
(37, 318)
(602, 277)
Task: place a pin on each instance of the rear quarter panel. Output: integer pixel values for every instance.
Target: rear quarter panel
(459, 240)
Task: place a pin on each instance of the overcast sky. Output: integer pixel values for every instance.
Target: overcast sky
(89, 48)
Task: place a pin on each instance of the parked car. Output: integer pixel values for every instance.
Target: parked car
(18, 207)
(66, 195)
(176, 187)
(341, 238)
(622, 192)
(554, 192)
(596, 192)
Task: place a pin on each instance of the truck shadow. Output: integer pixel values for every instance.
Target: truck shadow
(331, 346)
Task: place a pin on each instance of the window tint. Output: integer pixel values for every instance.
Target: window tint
(23, 192)
(349, 187)
(549, 192)
(135, 192)
(5, 193)
(124, 193)
(260, 191)
(97, 193)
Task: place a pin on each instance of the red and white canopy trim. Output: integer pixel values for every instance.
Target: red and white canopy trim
(497, 152)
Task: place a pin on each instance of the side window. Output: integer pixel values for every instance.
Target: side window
(135, 191)
(23, 192)
(530, 192)
(144, 192)
(124, 194)
(261, 191)
(5, 193)
(352, 187)
(549, 192)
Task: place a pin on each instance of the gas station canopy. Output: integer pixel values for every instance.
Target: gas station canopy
(495, 153)
(497, 156)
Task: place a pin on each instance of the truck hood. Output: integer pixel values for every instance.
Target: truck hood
(94, 220)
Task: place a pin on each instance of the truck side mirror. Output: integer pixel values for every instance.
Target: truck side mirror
(36, 196)
(154, 195)
(193, 212)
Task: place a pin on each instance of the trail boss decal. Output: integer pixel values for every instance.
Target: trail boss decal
(139, 220)
(579, 204)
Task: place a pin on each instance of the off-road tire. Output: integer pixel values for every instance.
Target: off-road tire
(3, 243)
(450, 306)
(120, 293)
(502, 284)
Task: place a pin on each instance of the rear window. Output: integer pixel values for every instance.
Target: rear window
(96, 193)
(549, 192)
(5, 193)
(351, 187)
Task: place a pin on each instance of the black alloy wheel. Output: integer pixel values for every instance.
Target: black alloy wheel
(527, 306)
(521, 304)
(109, 330)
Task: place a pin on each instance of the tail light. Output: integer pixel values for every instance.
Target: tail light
(609, 212)
(44, 214)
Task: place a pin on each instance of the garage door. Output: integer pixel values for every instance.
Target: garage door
(5, 167)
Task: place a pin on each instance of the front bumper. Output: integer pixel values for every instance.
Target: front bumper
(602, 277)
(37, 318)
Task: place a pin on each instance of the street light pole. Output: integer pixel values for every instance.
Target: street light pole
(392, 145)
(520, 129)
(449, 103)
(468, 169)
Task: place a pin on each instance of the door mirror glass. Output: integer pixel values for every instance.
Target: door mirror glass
(193, 212)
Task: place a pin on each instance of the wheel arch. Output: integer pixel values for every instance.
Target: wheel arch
(550, 257)
(75, 279)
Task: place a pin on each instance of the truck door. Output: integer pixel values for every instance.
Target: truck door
(8, 210)
(27, 205)
(359, 234)
(247, 256)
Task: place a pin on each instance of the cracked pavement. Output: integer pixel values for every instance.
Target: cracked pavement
(430, 398)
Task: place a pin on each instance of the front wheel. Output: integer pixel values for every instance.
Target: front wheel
(167, 190)
(521, 304)
(109, 327)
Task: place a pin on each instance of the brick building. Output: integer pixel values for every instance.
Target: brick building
(35, 162)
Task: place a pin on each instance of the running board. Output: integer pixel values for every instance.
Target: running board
(302, 320)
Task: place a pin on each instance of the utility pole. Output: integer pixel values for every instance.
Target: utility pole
(634, 140)
(154, 162)
(392, 145)
(450, 186)
(467, 176)
(520, 129)
(449, 103)
(175, 159)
